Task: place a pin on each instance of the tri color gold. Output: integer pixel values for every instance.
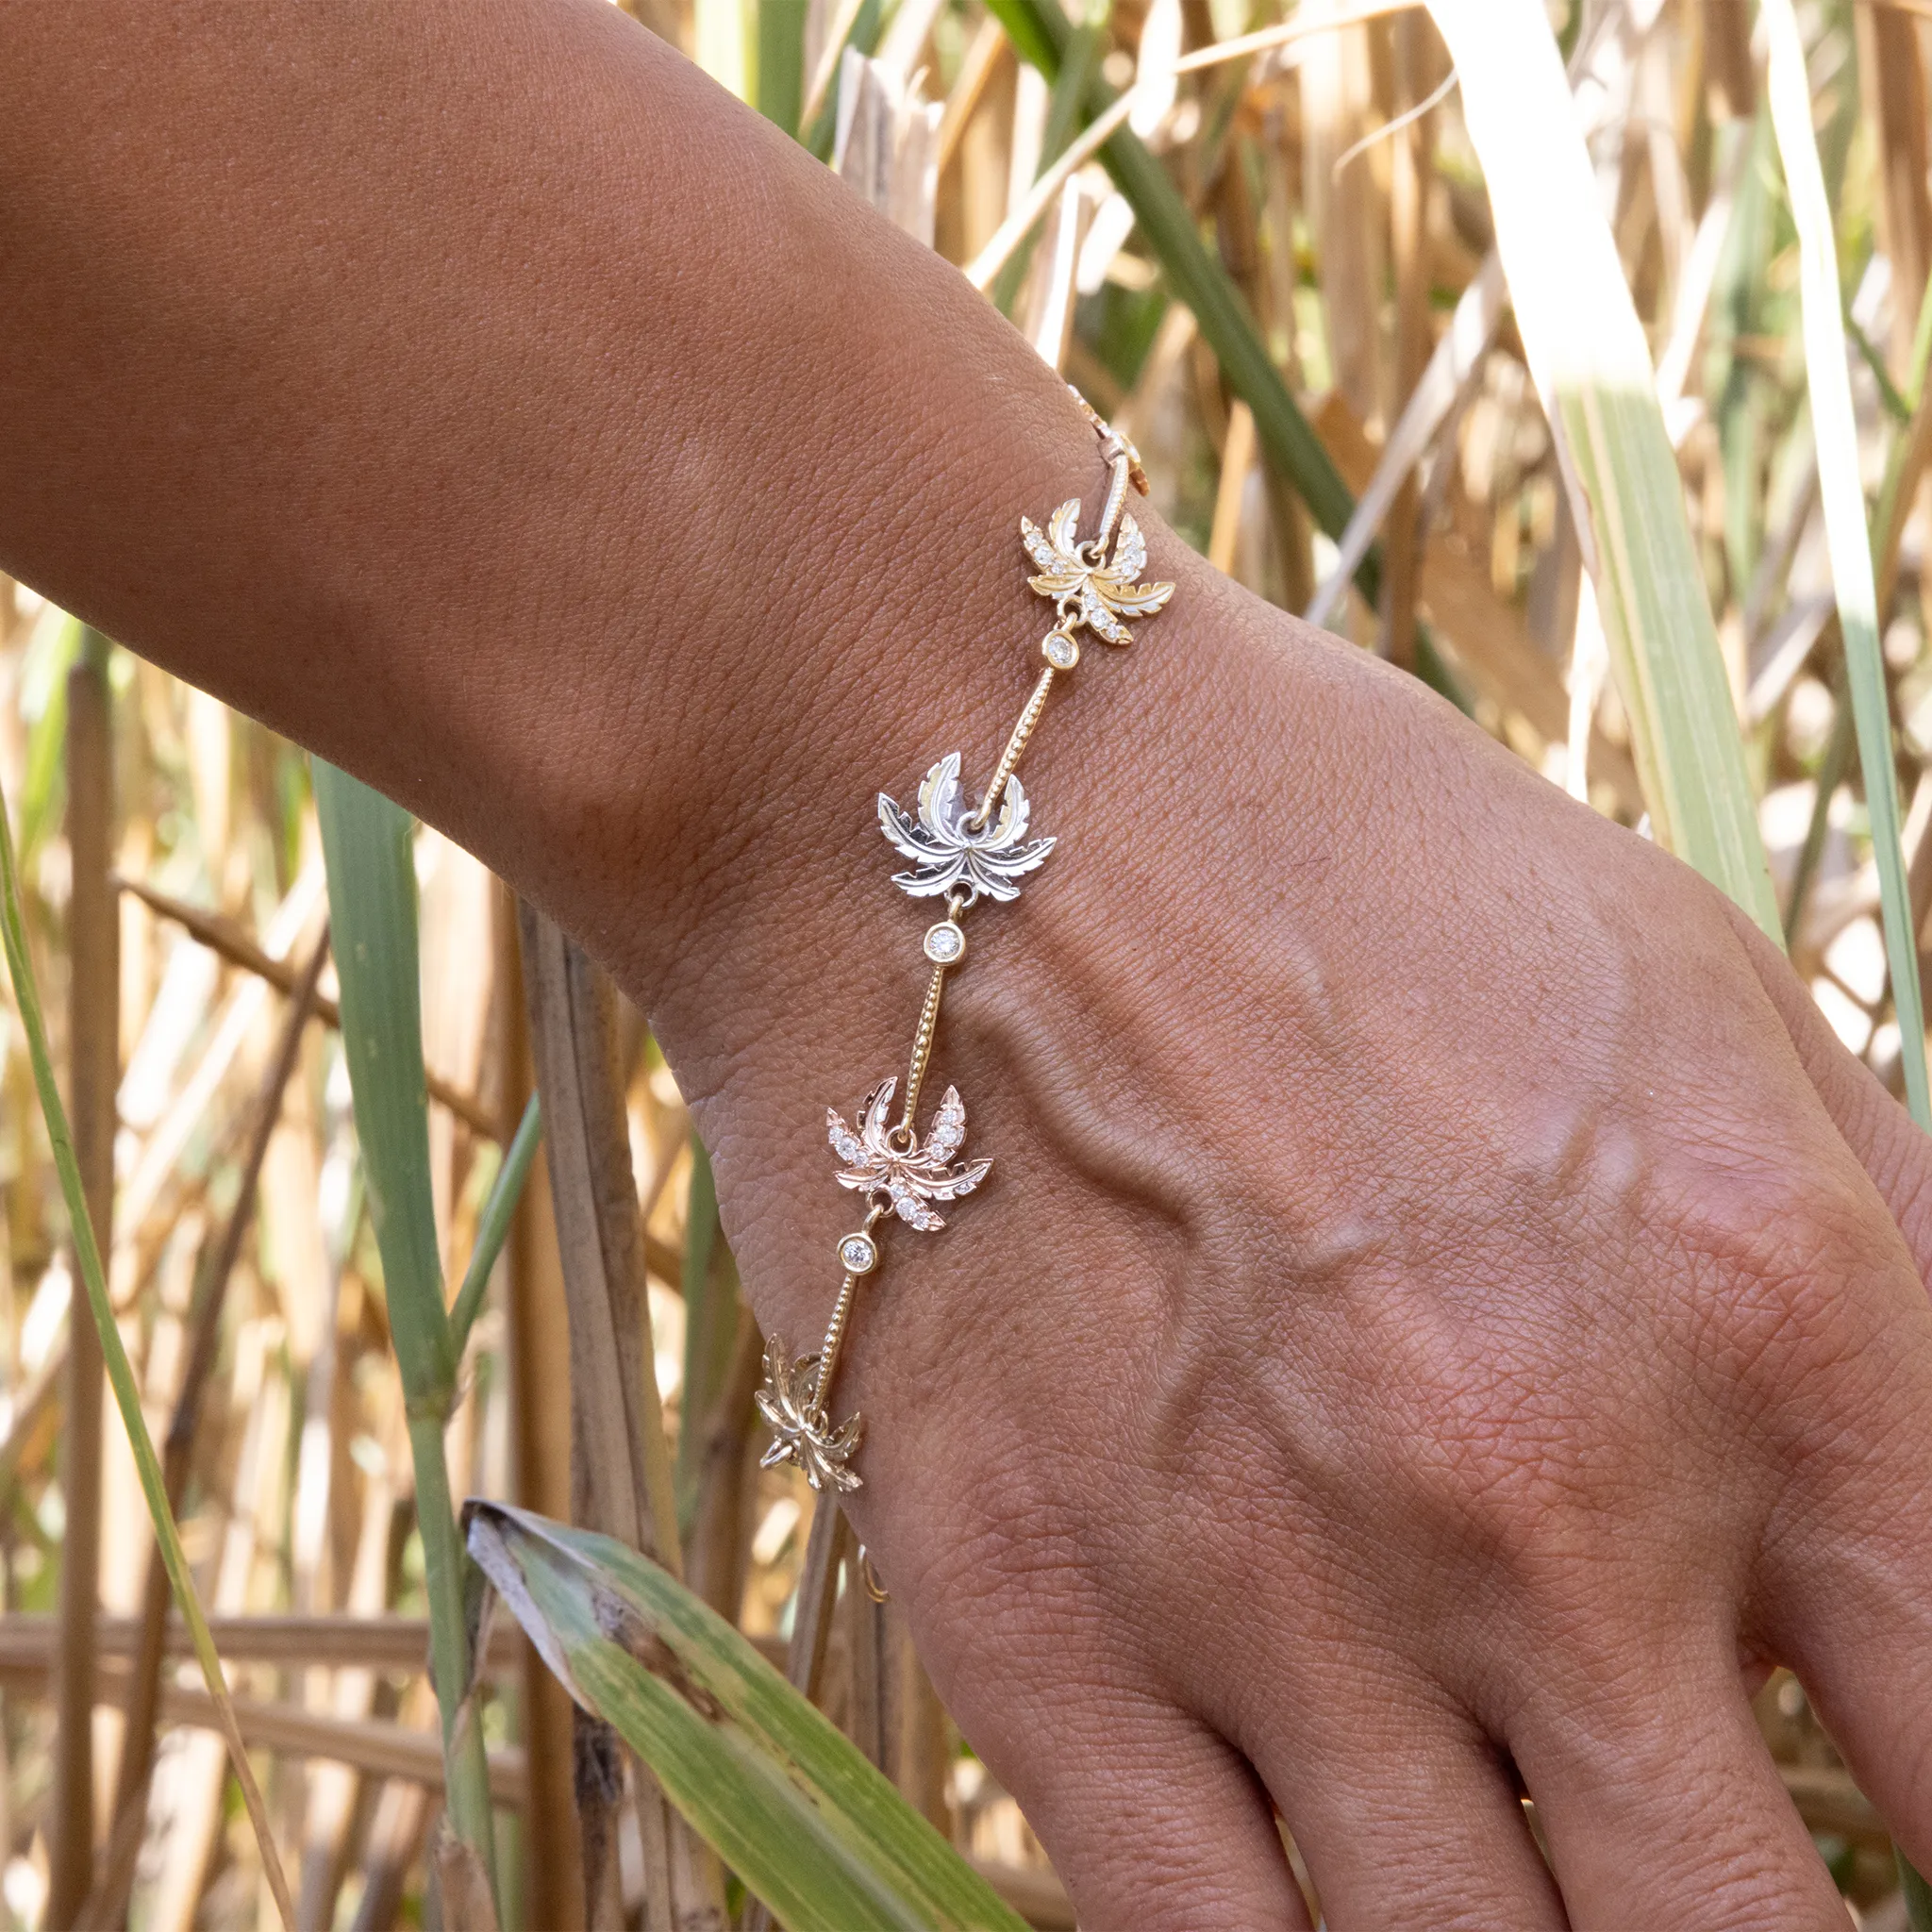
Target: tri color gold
(967, 856)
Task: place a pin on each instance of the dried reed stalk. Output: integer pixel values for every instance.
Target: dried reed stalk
(221, 935)
(620, 1476)
(107, 1901)
(542, 1407)
(93, 1074)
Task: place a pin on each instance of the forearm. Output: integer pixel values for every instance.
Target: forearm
(567, 442)
(577, 461)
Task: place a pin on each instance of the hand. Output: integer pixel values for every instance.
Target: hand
(1440, 1304)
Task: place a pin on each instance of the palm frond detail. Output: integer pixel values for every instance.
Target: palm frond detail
(907, 1178)
(1086, 590)
(948, 853)
(800, 1433)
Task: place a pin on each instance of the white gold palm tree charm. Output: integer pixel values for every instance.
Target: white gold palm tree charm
(890, 1164)
(950, 851)
(1085, 588)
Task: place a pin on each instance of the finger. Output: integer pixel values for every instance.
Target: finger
(1662, 1805)
(1152, 1820)
(1877, 1129)
(1845, 1589)
(1408, 1819)
(1867, 1667)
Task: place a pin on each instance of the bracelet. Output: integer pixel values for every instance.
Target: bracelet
(966, 856)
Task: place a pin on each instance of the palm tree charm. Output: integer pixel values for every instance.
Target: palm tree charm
(906, 1176)
(1086, 590)
(890, 1167)
(800, 1433)
(946, 848)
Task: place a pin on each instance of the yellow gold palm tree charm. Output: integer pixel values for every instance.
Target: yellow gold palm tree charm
(967, 856)
(790, 1404)
(1085, 589)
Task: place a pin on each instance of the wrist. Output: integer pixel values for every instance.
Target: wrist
(796, 987)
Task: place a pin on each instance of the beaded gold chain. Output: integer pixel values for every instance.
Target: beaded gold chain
(962, 856)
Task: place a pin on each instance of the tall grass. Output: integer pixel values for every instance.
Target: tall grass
(1656, 519)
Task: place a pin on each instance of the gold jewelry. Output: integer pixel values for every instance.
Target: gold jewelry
(966, 856)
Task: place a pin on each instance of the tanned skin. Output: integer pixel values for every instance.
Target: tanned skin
(1444, 1306)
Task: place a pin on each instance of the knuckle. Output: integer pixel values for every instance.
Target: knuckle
(1772, 1264)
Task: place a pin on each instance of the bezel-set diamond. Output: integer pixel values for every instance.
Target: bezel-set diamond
(945, 943)
(858, 1254)
(1060, 650)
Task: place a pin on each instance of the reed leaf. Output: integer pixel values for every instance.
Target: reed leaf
(781, 62)
(712, 1309)
(51, 654)
(368, 849)
(784, 1798)
(1592, 367)
(868, 23)
(493, 1224)
(120, 1371)
(1847, 535)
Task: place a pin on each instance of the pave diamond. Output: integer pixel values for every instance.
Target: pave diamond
(945, 944)
(858, 1254)
(894, 1168)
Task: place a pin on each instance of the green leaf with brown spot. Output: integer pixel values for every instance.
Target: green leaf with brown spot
(781, 1795)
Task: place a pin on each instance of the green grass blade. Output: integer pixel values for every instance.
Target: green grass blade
(868, 24)
(783, 1797)
(43, 700)
(782, 61)
(711, 1327)
(1079, 63)
(120, 1372)
(367, 848)
(493, 1224)
(1591, 365)
(1848, 538)
(1896, 405)
(1735, 384)
(1922, 349)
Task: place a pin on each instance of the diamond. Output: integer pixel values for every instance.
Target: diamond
(1060, 650)
(858, 1254)
(945, 944)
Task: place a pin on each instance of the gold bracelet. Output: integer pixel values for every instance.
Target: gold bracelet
(964, 856)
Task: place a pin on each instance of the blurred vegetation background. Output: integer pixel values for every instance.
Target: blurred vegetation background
(1318, 194)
